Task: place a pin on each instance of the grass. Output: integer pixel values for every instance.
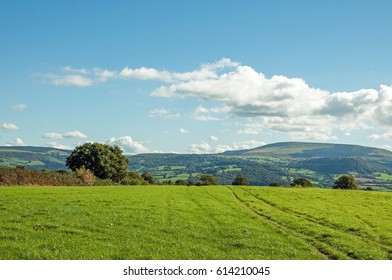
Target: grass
(156, 222)
(340, 224)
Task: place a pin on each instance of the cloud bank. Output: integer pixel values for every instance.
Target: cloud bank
(281, 104)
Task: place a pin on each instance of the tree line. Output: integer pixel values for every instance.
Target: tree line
(101, 164)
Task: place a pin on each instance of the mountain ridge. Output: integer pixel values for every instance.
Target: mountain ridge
(273, 163)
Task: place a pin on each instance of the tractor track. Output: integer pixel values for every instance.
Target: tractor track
(326, 224)
(324, 252)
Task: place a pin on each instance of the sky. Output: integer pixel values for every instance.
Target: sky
(195, 76)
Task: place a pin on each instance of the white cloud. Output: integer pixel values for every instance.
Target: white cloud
(72, 80)
(75, 134)
(205, 148)
(251, 128)
(163, 113)
(9, 126)
(69, 135)
(59, 146)
(383, 136)
(202, 113)
(128, 144)
(19, 107)
(213, 138)
(201, 148)
(52, 135)
(183, 131)
(102, 75)
(249, 144)
(16, 142)
(74, 70)
(302, 111)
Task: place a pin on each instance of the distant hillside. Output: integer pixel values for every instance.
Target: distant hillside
(274, 163)
(36, 158)
(323, 162)
(313, 150)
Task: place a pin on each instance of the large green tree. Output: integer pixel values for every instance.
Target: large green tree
(104, 161)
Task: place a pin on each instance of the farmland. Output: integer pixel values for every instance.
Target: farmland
(172, 222)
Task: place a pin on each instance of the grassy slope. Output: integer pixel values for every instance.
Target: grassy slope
(193, 223)
(137, 223)
(341, 224)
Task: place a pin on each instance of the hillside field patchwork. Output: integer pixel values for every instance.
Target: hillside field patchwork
(181, 222)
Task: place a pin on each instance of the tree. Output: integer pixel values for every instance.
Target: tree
(346, 182)
(301, 182)
(240, 180)
(148, 177)
(207, 179)
(104, 161)
(132, 178)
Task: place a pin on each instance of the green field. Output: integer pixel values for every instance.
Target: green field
(170, 222)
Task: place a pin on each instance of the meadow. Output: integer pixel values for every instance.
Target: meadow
(176, 222)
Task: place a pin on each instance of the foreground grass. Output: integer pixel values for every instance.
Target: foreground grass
(340, 224)
(155, 222)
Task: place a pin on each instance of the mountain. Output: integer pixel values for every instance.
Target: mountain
(36, 158)
(273, 163)
(313, 150)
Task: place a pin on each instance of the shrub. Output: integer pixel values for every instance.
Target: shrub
(148, 178)
(181, 182)
(240, 180)
(302, 182)
(85, 175)
(132, 178)
(207, 179)
(346, 182)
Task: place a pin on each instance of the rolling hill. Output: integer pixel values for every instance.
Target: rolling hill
(36, 158)
(273, 163)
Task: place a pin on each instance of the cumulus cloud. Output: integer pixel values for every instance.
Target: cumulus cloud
(59, 146)
(128, 144)
(213, 138)
(163, 113)
(52, 135)
(201, 148)
(16, 142)
(202, 113)
(303, 112)
(74, 134)
(183, 131)
(282, 104)
(19, 107)
(205, 148)
(72, 80)
(69, 135)
(9, 126)
(383, 136)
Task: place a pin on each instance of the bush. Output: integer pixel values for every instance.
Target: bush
(207, 179)
(301, 182)
(85, 175)
(240, 180)
(21, 176)
(346, 182)
(181, 182)
(148, 178)
(132, 179)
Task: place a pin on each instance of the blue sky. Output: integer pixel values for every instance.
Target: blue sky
(195, 76)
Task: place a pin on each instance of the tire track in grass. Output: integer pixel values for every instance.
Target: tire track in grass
(334, 227)
(324, 251)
